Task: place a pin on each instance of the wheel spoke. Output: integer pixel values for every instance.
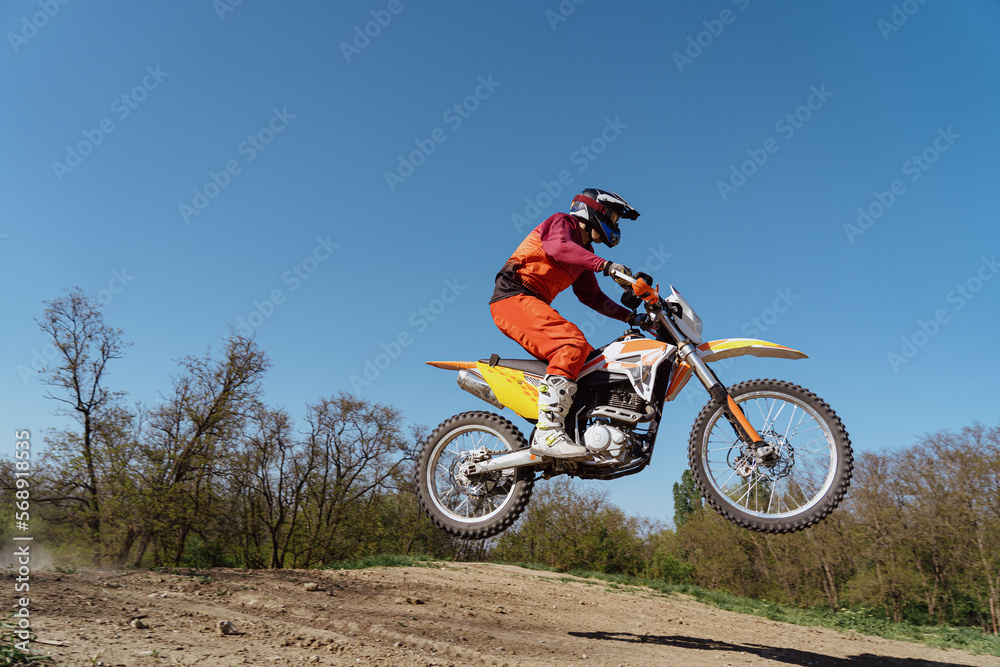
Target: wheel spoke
(745, 495)
(725, 482)
(770, 420)
(822, 437)
(469, 499)
(797, 432)
(757, 403)
(790, 418)
(803, 418)
(796, 479)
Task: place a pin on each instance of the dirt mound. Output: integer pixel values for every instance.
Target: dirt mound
(450, 614)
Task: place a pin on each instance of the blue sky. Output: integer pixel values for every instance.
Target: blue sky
(821, 175)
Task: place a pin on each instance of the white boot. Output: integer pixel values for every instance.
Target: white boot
(555, 397)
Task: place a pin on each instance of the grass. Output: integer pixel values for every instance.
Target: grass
(382, 560)
(535, 566)
(10, 654)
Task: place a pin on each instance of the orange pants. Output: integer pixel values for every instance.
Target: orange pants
(542, 331)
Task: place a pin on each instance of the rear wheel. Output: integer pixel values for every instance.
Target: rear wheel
(472, 507)
(799, 483)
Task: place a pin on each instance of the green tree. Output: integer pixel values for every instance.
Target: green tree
(664, 560)
(267, 477)
(687, 500)
(568, 526)
(356, 449)
(186, 446)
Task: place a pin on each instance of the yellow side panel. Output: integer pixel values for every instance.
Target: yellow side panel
(512, 389)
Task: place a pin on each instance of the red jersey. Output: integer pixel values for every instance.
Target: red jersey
(554, 256)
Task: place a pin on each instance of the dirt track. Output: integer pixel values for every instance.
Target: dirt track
(453, 614)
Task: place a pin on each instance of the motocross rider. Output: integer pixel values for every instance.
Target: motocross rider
(556, 254)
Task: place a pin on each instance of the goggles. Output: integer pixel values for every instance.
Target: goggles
(609, 213)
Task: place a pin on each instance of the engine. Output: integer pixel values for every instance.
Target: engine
(605, 439)
(626, 399)
(619, 404)
(611, 421)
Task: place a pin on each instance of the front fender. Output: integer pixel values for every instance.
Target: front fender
(715, 350)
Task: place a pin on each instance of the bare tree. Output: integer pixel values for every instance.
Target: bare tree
(86, 345)
(190, 436)
(268, 478)
(356, 448)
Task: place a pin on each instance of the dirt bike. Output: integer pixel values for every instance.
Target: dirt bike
(766, 454)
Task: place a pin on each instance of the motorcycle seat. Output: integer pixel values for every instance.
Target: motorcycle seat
(532, 366)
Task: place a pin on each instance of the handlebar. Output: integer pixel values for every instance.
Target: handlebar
(619, 276)
(639, 286)
(662, 312)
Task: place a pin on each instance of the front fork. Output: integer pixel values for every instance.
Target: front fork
(744, 429)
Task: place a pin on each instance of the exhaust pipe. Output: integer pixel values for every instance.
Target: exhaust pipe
(476, 386)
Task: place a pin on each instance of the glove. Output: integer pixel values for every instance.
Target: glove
(638, 320)
(611, 267)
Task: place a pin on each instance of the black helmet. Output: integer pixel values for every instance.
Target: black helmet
(601, 210)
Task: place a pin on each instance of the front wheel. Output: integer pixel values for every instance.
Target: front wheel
(799, 483)
(478, 506)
